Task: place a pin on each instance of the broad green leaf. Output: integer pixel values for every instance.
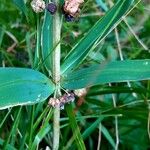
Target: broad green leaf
(75, 128)
(108, 72)
(98, 31)
(47, 40)
(22, 6)
(20, 86)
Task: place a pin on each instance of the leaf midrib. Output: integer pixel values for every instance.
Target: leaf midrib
(20, 81)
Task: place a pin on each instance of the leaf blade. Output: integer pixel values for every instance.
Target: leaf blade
(20, 86)
(108, 136)
(75, 128)
(116, 71)
(91, 128)
(47, 40)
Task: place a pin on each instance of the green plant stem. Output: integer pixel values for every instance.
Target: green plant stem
(56, 74)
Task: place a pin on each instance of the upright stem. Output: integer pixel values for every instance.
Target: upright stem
(56, 73)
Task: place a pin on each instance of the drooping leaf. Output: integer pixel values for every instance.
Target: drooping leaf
(20, 86)
(98, 31)
(109, 72)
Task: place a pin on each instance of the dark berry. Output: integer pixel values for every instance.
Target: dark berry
(69, 18)
(52, 8)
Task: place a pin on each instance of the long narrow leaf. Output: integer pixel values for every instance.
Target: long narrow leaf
(12, 133)
(8, 145)
(91, 128)
(2, 32)
(43, 131)
(117, 71)
(41, 134)
(98, 31)
(75, 128)
(47, 40)
(108, 136)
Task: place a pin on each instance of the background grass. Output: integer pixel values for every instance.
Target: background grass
(109, 113)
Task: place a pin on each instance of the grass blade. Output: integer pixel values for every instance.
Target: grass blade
(90, 129)
(75, 128)
(43, 131)
(108, 136)
(13, 129)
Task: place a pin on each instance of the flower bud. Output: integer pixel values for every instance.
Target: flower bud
(38, 5)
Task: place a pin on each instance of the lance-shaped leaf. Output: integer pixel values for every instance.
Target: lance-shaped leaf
(98, 31)
(47, 40)
(108, 72)
(20, 86)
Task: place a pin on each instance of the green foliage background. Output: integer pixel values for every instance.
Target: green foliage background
(109, 112)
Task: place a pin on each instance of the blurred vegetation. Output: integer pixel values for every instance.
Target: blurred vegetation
(96, 112)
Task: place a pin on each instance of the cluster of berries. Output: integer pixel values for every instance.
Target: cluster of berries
(39, 6)
(65, 99)
(71, 8)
